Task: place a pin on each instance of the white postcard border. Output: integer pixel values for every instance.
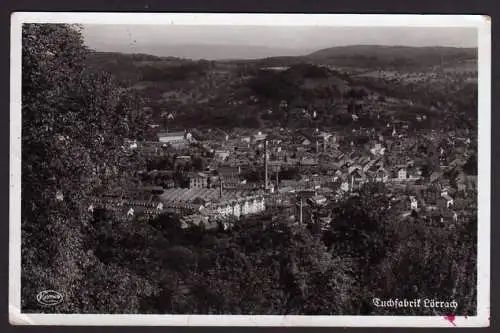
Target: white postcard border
(483, 25)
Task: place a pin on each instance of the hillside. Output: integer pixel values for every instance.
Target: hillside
(248, 93)
(381, 51)
(378, 56)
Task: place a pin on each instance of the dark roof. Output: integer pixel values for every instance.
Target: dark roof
(228, 171)
(171, 134)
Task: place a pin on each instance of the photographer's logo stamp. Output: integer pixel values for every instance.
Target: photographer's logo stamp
(49, 297)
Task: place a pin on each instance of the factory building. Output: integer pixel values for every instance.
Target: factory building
(223, 203)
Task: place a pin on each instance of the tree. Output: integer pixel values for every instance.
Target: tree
(74, 123)
(470, 167)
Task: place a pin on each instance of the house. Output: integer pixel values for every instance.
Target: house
(377, 150)
(222, 154)
(182, 160)
(381, 175)
(130, 212)
(344, 186)
(318, 200)
(448, 198)
(401, 173)
(357, 176)
(413, 203)
(354, 167)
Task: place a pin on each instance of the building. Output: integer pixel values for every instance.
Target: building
(378, 149)
(377, 173)
(223, 203)
(198, 180)
(357, 177)
(222, 154)
(258, 137)
(239, 207)
(318, 200)
(130, 202)
(229, 175)
(413, 203)
(448, 198)
(401, 173)
(174, 137)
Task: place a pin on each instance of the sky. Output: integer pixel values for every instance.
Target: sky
(223, 42)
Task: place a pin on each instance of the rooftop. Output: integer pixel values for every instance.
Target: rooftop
(177, 195)
(170, 134)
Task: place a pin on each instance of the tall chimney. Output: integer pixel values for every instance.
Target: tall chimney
(220, 187)
(277, 178)
(300, 213)
(265, 165)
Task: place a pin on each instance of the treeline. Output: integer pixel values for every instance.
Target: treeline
(132, 68)
(186, 71)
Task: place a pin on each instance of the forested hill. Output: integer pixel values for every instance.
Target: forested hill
(378, 56)
(349, 56)
(380, 51)
(235, 93)
(131, 68)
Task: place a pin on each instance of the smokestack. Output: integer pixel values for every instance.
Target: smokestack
(265, 165)
(277, 179)
(300, 213)
(220, 187)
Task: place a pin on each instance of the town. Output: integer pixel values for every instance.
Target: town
(216, 177)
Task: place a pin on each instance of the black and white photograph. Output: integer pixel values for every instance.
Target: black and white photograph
(250, 170)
